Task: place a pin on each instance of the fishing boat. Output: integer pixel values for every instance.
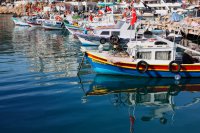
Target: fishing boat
(54, 23)
(72, 28)
(20, 21)
(95, 22)
(101, 35)
(154, 57)
(35, 21)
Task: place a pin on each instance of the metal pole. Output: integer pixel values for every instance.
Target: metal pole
(131, 32)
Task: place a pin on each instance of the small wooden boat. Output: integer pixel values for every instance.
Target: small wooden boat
(35, 21)
(155, 57)
(20, 21)
(54, 23)
(122, 31)
(72, 28)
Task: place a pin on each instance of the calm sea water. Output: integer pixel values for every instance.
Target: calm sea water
(41, 92)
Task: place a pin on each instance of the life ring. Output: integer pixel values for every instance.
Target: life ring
(171, 69)
(102, 40)
(114, 39)
(142, 64)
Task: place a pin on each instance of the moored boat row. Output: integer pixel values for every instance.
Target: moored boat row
(133, 49)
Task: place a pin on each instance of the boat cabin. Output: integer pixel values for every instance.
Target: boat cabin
(161, 51)
(153, 50)
(122, 29)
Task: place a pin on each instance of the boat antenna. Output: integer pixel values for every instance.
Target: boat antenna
(174, 48)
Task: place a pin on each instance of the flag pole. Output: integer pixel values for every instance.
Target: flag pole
(131, 32)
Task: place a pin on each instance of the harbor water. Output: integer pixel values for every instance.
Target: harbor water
(40, 91)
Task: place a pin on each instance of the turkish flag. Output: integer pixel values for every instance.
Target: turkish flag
(91, 18)
(134, 17)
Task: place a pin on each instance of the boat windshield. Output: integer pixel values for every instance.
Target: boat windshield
(119, 24)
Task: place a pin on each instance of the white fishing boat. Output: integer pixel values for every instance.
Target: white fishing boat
(54, 23)
(154, 57)
(122, 31)
(20, 21)
(35, 21)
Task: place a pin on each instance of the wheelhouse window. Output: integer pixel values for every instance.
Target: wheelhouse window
(105, 33)
(144, 55)
(117, 33)
(163, 55)
(58, 23)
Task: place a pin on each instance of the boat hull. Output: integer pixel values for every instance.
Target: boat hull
(86, 42)
(34, 24)
(18, 22)
(103, 66)
(51, 27)
(97, 39)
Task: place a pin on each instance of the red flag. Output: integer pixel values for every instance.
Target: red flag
(91, 18)
(134, 17)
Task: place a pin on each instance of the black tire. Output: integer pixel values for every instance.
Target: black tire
(114, 39)
(140, 64)
(102, 40)
(171, 67)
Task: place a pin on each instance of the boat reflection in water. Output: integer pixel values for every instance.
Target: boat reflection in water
(47, 51)
(154, 97)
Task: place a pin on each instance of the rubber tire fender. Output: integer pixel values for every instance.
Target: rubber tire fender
(114, 39)
(102, 40)
(141, 63)
(171, 65)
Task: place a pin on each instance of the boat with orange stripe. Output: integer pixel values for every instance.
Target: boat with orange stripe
(155, 57)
